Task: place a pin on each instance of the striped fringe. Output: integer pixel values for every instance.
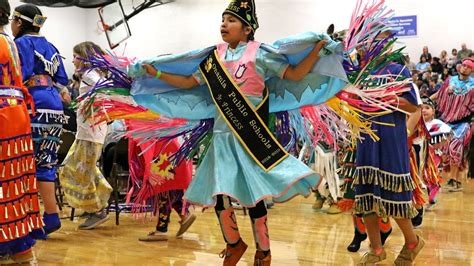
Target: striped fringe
(348, 167)
(21, 228)
(431, 173)
(454, 107)
(348, 172)
(388, 181)
(47, 129)
(416, 177)
(370, 203)
(50, 66)
(51, 116)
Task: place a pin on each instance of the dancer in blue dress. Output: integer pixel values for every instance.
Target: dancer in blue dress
(42, 70)
(382, 181)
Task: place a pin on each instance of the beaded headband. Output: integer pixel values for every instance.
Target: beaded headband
(37, 21)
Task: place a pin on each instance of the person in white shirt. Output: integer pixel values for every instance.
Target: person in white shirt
(84, 185)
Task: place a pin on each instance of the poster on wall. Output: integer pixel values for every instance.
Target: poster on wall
(404, 26)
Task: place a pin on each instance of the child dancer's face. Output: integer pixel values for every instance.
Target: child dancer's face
(15, 25)
(76, 61)
(232, 30)
(427, 112)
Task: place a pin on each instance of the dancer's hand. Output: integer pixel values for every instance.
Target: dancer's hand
(320, 44)
(149, 69)
(299, 71)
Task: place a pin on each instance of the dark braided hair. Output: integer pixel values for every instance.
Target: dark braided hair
(4, 12)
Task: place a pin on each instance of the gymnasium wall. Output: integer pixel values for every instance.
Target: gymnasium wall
(189, 24)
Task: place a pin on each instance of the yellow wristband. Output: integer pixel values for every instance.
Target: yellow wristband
(158, 74)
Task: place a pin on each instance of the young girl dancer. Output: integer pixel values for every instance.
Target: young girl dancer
(440, 133)
(227, 169)
(84, 185)
(242, 159)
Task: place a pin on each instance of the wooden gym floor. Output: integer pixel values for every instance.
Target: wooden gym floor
(299, 236)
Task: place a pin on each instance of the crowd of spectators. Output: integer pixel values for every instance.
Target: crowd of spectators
(431, 71)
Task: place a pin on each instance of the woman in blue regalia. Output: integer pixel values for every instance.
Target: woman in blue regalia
(42, 69)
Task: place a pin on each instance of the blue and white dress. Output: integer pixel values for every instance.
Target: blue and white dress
(42, 67)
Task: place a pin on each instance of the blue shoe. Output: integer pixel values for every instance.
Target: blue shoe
(52, 222)
(38, 234)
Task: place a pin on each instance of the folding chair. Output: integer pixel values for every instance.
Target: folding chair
(116, 170)
(66, 140)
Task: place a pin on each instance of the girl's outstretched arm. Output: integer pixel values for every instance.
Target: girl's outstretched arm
(299, 71)
(182, 82)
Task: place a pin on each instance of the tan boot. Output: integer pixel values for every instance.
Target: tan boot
(407, 256)
(232, 255)
(334, 209)
(261, 260)
(318, 203)
(24, 257)
(370, 258)
(185, 224)
(27, 257)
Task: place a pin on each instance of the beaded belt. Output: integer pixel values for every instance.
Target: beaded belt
(11, 92)
(10, 96)
(39, 80)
